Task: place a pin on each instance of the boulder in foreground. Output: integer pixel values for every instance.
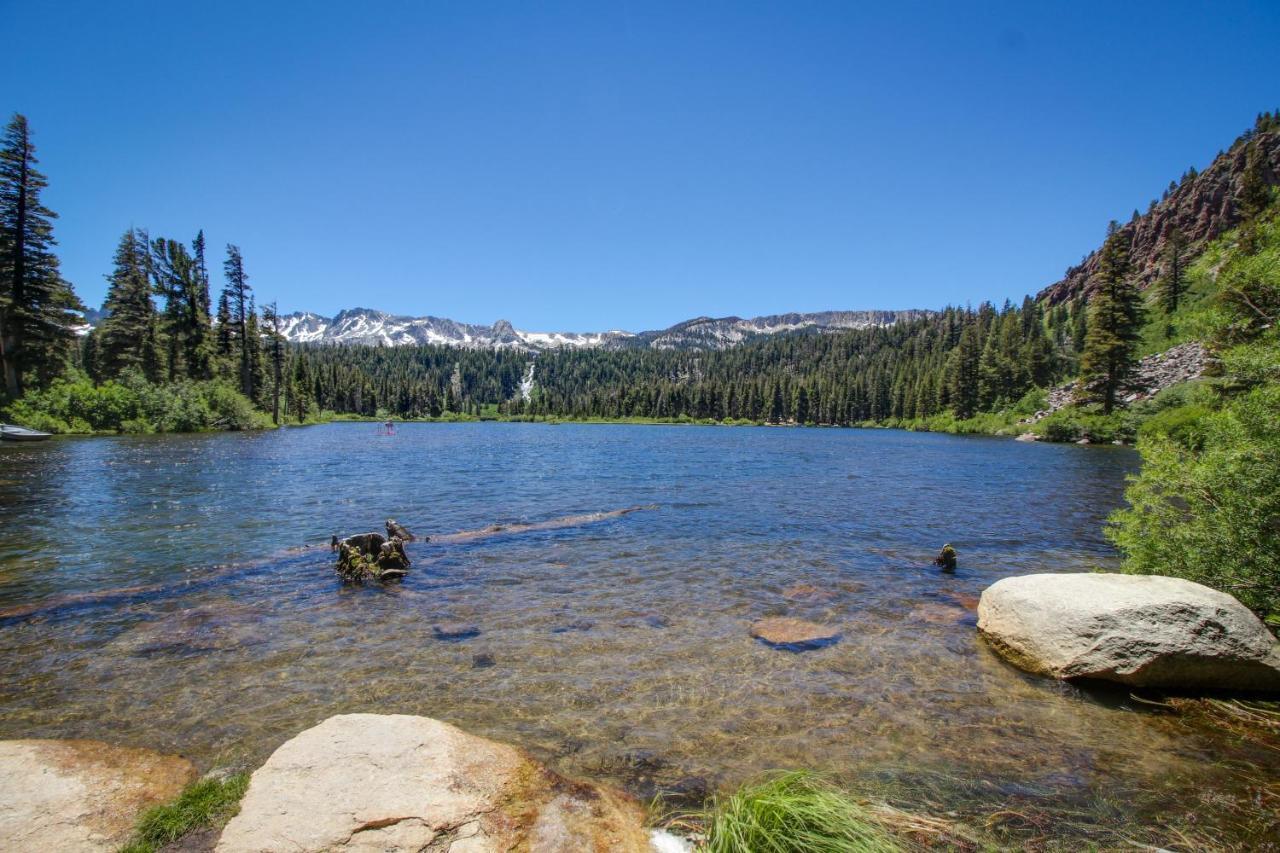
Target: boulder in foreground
(1145, 631)
(396, 782)
(80, 794)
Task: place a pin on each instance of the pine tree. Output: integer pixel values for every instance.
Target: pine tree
(1115, 318)
(199, 332)
(237, 293)
(271, 316)
(1173, 284)
(37, 307)
(224, 332)
(302, 389)
(128, 334)
(962, 372)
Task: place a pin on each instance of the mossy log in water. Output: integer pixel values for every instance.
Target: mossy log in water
(368, 556)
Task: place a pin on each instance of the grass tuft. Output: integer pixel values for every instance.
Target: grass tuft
(790, 813)
(201, 804)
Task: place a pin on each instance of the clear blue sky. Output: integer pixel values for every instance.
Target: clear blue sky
(626, 165)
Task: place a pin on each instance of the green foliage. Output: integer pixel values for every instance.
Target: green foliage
(793, 813)
(201, 804)
(1249, 283)
(1074, 423)
(1207, 509)
(74, 404)
(1184, 425)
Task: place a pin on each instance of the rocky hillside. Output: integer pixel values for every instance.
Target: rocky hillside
(1150, 376)
(1201, 207)
(366, 326)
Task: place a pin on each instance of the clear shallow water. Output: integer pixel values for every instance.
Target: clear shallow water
(618, 650)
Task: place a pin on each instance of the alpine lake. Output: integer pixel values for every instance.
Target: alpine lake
(178, 593)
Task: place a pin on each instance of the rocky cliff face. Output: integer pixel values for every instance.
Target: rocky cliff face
(1201, 208)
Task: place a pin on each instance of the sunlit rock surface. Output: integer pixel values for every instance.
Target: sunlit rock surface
(72, 795)
(397, 782)
(1140, 630)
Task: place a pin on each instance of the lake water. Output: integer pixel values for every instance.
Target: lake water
(617, 650)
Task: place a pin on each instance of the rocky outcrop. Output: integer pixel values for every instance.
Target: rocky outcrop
(1151, 375)
(1201, 207)
(80, 794)
(1146, 631)
(373, 782)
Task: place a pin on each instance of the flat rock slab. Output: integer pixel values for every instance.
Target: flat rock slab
(1145, 631)
(76, 795)
(793, 635)
(373, 782)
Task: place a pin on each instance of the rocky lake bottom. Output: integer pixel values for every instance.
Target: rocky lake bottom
(619, 650)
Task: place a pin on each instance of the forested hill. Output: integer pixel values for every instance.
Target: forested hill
(1197, 208)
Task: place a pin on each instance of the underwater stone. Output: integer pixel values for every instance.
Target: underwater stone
(785, 632)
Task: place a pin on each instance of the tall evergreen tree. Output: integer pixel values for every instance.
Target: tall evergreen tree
(237, 294)
(1115, 318)
(37, 307)
(963, 372)
(1173, 284)
(201, 352)
(271, 316)
(128, 337)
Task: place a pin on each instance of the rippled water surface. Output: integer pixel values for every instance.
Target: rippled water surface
(617, 650)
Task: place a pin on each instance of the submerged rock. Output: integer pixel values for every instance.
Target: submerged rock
(397, 782)
(60, 795)
(455, 631)
(807, 592)
(785, 632)
(1141, 630)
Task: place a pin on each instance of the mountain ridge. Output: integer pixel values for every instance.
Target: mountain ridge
(369, 326)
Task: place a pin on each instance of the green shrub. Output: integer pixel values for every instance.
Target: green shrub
(1073, 423)
(1211, 513)
(791, 813)
(73, 404)
(1182, 424)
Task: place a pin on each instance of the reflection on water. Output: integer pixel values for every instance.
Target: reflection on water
(618, 650)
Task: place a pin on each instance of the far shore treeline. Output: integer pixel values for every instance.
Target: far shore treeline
(162, 356)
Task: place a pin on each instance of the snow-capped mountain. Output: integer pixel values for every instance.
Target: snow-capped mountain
(366, 326)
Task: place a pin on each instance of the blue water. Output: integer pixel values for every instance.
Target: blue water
(617, 650)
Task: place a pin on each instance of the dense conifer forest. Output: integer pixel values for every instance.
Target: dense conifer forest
(165, 356)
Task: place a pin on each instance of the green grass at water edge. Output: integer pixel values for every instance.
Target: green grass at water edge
(795, 812)
(201, 804)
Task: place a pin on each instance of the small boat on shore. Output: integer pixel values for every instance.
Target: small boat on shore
(8, 432)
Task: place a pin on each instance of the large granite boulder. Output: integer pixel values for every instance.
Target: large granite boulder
(375, 782)
(1141, 630)
(80, 794)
